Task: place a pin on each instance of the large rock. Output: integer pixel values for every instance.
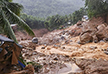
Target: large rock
(86, 37)
(94, 31)
(97, 34)
(35, 40)
(92, 66)
(76, 30)
(101, 33)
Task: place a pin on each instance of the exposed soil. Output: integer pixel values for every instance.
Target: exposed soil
(56, 51)
(93, 66)
(52, 64)
(22, 35)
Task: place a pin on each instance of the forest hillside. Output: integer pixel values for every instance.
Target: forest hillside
(44, 8)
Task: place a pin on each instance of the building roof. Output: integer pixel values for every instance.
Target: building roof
(2, 38)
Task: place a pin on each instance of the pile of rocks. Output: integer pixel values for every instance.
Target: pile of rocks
(93, 31)
(92, 66)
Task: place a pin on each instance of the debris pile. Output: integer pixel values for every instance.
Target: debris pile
(51, 64)
(93, 31)
(55, 48)
(92, 66)
(9, 53)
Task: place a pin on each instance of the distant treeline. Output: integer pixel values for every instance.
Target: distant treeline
(45, 8)
(55, 21)
(33, 22)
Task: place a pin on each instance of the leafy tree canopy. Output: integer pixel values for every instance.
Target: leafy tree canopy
(45, 8)
(9, 13)
(96, 7)
(77, 15)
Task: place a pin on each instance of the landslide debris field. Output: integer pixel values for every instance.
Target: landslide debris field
(60, 52)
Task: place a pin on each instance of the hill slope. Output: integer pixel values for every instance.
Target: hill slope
(57, 46)
(44, 8)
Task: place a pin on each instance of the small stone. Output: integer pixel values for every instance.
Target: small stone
(67, 56)
(26, 54)
(106, 39)
(15, 67)
(50, 63)
(30, 49)
(34, 53)
(93, 47)
(95, 41)
(55, 62)
(63, 47)
(106, 52)
(48, 48)
(50, 40)
(44, 59)
(107, 49)
(67, 41)
(55, 46)
(55, 58)
(79, 42)
(44, 63)
(37, 60)
(62, 37)
(101, 41)
(63, 32)
(35, 40)
(43, 48)
(102, 49)
(1, 49)
(71, 41)
(59, 46)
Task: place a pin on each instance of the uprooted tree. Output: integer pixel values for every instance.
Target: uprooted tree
(9, 14)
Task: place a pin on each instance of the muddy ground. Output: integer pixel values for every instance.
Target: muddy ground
(56, 57)
(58, 52)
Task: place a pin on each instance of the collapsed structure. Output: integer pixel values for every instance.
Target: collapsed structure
(9, 53)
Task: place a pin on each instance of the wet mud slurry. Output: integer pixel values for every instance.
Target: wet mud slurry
(52, 64)
(71, 68)
(60, 53)
(57, 58)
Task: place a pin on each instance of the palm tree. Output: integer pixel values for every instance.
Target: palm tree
(9, 13)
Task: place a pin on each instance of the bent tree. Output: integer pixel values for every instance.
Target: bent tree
(9, 13)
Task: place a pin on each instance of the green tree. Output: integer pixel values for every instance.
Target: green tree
(54, 22)
(9, 13)
(45, 8)
(33, 22)
(96, 7)
(77, 15)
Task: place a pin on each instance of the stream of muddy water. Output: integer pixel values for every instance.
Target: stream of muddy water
(53, 63)
(70, 68)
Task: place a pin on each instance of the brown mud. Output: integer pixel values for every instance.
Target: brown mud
(56, 51)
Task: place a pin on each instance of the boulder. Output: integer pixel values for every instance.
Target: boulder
(102, 33)
(85, 38)
(35, 40)
(79, 23)
(93, 32)
(92, 66)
